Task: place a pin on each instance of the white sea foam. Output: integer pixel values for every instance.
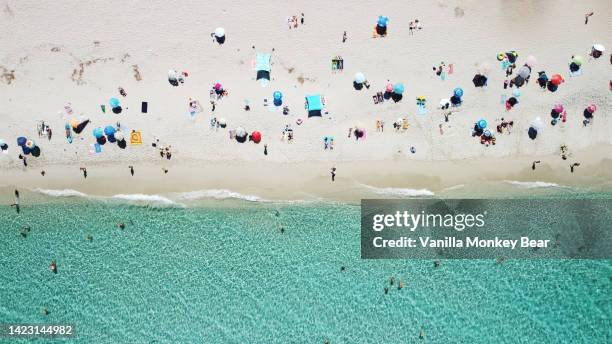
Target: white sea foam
(404, 192)
(155, 199)
(61, 193)
(532, 185)
(216, 194)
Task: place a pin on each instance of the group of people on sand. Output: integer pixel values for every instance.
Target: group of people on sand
(287, 133)
(293, 21)
(44, 130)
(414, 25)
(505, 125)
(164, 151)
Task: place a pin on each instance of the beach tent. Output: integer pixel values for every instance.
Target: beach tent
(256, 136)
(263, 68)
(381, 25)
(314, 105)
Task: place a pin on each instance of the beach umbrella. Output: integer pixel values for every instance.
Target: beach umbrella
(35, 151)
(79, 128)
(556, 79)
(578, 60)
(98, 133)
(537, 124)
(458, 92)
(532, 132)
(21, 141)
(222, 123)
(524, 72)
(219, 32)
(444, 103)
(479, 80)
(558, 108)
(256, 136)
(109, 130)
(501, 56)
(101, 140)
(172, 74)
(2, 142)
(74, 123)
(382, 21)
(487, 133)
(516, 92)
(25, 150)
(531, 61)
(30, 144)
(599, 47)
(592, 108)
(277, 95)
(359, 78)
(482, 124)
(240, 132)
(119, 136)
(398, 88)
(117, 110)
(389, 87)
(114, 102)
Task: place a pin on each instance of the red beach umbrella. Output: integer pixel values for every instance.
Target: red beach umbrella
(256, 136)
(556, 79)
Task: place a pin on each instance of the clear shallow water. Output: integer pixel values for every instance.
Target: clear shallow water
(224, 273)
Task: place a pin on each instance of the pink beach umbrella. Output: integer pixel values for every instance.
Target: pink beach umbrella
(531, 61)
(217, 86)
(558, 108)
(592, 108)
(389, 87)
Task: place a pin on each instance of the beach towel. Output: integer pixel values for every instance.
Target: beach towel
(103, 107)
(144, 107)
(422, 109)
(450, 69)
(98, 148)
(136, 138)
(443, 76)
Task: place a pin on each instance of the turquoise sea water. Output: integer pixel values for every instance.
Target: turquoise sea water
(224, 273)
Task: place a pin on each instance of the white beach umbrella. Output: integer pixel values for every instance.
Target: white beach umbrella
(119, 136)
(219, 32)
(222, 122)
(599, 47)
(537, 124)
(240, 132)
(359, 78)
(171, 74)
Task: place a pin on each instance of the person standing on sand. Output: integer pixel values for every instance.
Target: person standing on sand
(333, 174)
(411, 28)
(586, 17)
(84, 172)
(533, 165)
(131, 170)
(576, 164)
(344, 37)
(265, 149)
(42, 173)
(302, 19)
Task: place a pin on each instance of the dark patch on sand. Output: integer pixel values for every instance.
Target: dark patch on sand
(137, 74)
(7, 75)
(77, 73)
(459, 12)
(56, 49)
(125, 57)
(8, 11)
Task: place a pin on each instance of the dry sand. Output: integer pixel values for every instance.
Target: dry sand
(79, 53)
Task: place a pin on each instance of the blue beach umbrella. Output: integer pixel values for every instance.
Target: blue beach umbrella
(382, 21)
(98, 133)
(398, 88)
(109, 130)
(114, 102)
(487, 133)
(21, 141)
(278, 98)
(458, 92)
(516, 92)
(482, 124)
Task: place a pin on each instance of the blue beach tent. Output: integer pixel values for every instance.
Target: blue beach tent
(314, 105)
(263, 66)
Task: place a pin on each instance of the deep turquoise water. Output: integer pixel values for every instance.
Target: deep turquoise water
(224, 273)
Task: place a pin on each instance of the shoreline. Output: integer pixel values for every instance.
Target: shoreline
(312, 181)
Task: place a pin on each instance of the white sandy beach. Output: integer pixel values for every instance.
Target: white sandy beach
(43, 45)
